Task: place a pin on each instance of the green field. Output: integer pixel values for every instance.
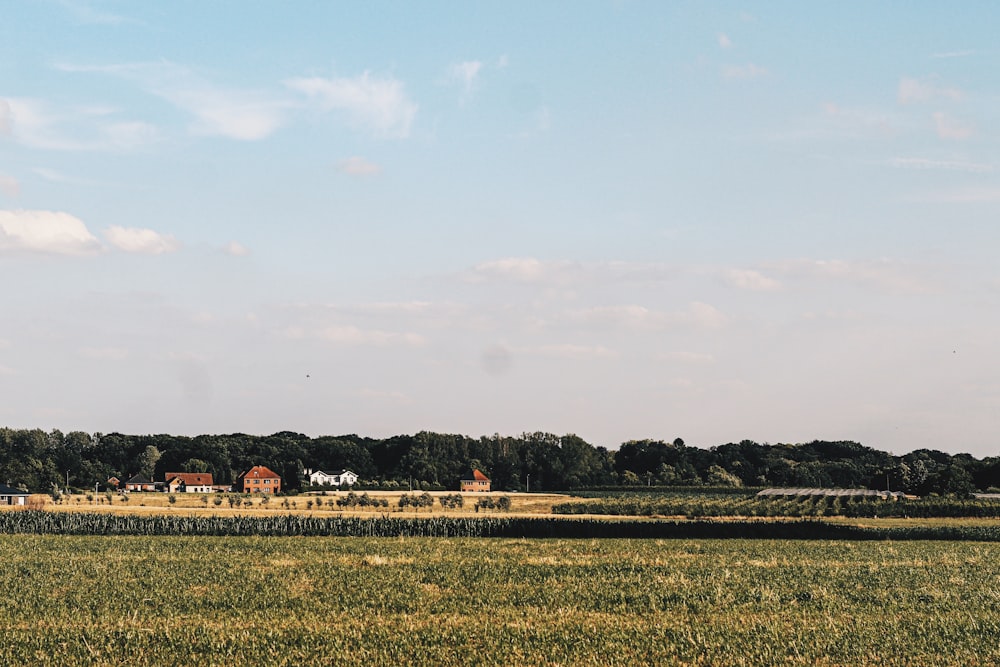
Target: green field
(323, 601)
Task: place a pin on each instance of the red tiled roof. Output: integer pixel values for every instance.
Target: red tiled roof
(191, 478)
(477, 476)
(260, 472)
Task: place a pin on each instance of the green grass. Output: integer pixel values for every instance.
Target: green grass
(379, 601)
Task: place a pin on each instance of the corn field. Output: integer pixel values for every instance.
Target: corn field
(166, 600)
(292, 525)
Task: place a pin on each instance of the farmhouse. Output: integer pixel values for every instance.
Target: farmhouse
(189, 482)
(335, 478)
(12, 496)
(259, 479)
(476, 482)
(139, 483)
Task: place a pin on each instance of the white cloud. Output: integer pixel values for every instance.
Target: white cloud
(884, 273)
(948, 165)
(914, 91)
(953, 54)
(236, 249)
(949, 128)
(35, 124)
(45, 232)
(358, 166)
(6, 118)
(518, 269)
(246, 115)
(7, 371)
(137, 240)
(380, 104)
(85, 13)
(746, 72)
(749, 279)
(562, 272)
(724, 41)
(348, 334)
(465, 74)
(9, 185)
(634, 316)
(858, 122)
(242, 115)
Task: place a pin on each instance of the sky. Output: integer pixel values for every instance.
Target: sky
(716, 221)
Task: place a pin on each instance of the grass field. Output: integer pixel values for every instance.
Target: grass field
(321, 601)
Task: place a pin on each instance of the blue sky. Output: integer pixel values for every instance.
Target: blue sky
(623, 220)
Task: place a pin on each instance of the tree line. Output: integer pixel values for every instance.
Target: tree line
(39, 461)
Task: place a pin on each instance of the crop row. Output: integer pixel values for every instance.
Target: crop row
(79, 523)
(801, 506)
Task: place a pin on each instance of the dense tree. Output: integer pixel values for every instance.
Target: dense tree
(41, 461)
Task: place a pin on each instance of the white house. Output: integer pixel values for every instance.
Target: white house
(189, 482)
(12, 496)
(335, 478)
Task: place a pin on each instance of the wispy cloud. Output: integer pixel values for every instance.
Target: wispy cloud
(49, 232)
(748, 279)
(947, 165)
(724, 41)
(745, 72)
(236, 249)
(953, 54)
(465, 74)
(38, 125)
(218, 110)
(564, 272)
(358, 166)
(86, 13)
(349, 334)
(9, 185)
(634, 316)
(6, 118)
(858, 122)
(951, 128)
(377, 103)
(885, 274)
(142, 241)
(914, 91)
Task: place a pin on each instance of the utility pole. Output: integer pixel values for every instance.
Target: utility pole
(527, 484)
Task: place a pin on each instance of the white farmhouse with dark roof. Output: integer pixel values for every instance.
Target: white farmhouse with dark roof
(335, 478)
(11, 496)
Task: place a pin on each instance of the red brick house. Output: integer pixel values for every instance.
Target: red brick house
(259, 479)
(476, 482)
